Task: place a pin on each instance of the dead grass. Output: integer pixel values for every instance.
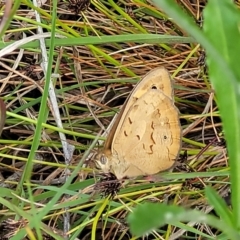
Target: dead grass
(90, 89)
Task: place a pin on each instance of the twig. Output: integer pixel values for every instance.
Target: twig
(6, 15)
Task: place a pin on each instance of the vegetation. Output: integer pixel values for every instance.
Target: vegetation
(90, 61)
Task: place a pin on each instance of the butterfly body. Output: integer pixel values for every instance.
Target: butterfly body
(146, 137)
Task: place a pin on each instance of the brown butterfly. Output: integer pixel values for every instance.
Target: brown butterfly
(146, 136)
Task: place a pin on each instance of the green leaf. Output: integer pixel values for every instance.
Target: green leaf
(220, 38)
(2, 115)
(224, 37)
(150, 216)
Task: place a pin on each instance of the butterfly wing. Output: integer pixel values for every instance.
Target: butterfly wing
(149, 139)
(157, 78)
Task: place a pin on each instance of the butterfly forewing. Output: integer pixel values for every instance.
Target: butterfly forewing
(152, 124)
(157, 79)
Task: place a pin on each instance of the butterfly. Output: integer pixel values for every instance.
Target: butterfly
(146, 137)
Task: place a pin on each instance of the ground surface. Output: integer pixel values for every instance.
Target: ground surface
(93, 81)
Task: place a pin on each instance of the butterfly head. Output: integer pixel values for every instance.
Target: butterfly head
(103, 163)
(109, 163)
